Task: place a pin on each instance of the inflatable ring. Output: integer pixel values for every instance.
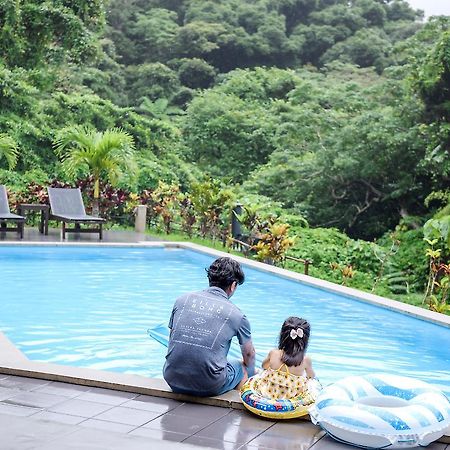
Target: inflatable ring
(290, 408)
(382, 411)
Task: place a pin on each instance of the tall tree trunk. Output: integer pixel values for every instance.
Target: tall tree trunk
(95, 203)
(405, 215)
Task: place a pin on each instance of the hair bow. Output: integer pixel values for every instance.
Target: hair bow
(296, 333)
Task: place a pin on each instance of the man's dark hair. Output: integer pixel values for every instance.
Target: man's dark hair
(223, 272)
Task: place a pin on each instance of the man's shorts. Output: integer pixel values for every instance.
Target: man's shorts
(235, 373)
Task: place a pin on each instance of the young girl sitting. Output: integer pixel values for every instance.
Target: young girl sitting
(287, 367)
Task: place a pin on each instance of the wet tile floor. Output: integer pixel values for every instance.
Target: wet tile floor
(38, 414)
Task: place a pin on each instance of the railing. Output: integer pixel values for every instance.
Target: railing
(245, 248)
(305, 262)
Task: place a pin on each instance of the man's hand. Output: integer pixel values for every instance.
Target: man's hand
(248, 354)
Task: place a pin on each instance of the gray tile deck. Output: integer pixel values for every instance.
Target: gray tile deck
(83, 408)
(54, 235)
(47, 415)
(106, 396)
(159, 434)
(104, 425)
(65, 389)
(27, 384)
(156, 404)
(128, 416)
(35, 399)
(60, 418)
(142, 422)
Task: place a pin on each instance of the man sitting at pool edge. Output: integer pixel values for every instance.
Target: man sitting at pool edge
(202, 326)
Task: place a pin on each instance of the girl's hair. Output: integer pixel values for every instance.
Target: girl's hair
(294, 346)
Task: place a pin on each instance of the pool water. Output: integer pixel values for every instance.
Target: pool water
(92, 306)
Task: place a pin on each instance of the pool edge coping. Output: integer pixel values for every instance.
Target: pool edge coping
(14, 362)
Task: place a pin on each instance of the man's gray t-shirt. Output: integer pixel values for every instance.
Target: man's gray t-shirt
(202, 325)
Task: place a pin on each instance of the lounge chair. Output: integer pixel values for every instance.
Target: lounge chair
(67, 206)
(7, 216)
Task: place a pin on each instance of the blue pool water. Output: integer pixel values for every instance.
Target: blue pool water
(91, 307)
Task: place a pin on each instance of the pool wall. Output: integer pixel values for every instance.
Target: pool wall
(14, 362)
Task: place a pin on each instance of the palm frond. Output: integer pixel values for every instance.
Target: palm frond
(115, 144)
(76, 137)
(83, 150)
(77, 161)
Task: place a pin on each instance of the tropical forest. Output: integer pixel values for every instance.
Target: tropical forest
(320, 127)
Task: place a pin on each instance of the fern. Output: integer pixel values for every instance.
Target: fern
(396, 280)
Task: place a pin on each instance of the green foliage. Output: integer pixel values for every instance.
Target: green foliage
(273, 243)
(164, 203)
(170, 169)
(159, 109)
(372, 11)
(437, 290)
(20, 182)
(337, 258)
(232, 33)
(433, 78)
(106, 77)
(259, 84)
(439, 230)
(396, 280)
(365, 48)
(203, 210)
(209, 200)
(102, 155)
(327, 112)
(339, 155)
(36, 32)
(8, 150)
(410, 257)
(227, 136)
(152, 80)
(196, 73)
(154, 34)
(400, 10)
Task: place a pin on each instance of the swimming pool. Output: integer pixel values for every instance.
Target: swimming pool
(91, 307)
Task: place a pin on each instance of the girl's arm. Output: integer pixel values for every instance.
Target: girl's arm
(308, 367)
(266, 363)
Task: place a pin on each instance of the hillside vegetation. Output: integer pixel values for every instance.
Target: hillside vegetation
(328, 115)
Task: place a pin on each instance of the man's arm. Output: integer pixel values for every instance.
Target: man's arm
(170, 324)
(248, 354)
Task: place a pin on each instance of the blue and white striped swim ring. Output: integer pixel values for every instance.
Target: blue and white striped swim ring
(382, 411)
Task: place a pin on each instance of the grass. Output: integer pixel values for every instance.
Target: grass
(178, 237)
(413, 298)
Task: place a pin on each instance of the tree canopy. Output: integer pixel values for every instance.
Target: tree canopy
(35, 32)
(336, 110)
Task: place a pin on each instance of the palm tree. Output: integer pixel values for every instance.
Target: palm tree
(103, 155)
(8, 149)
